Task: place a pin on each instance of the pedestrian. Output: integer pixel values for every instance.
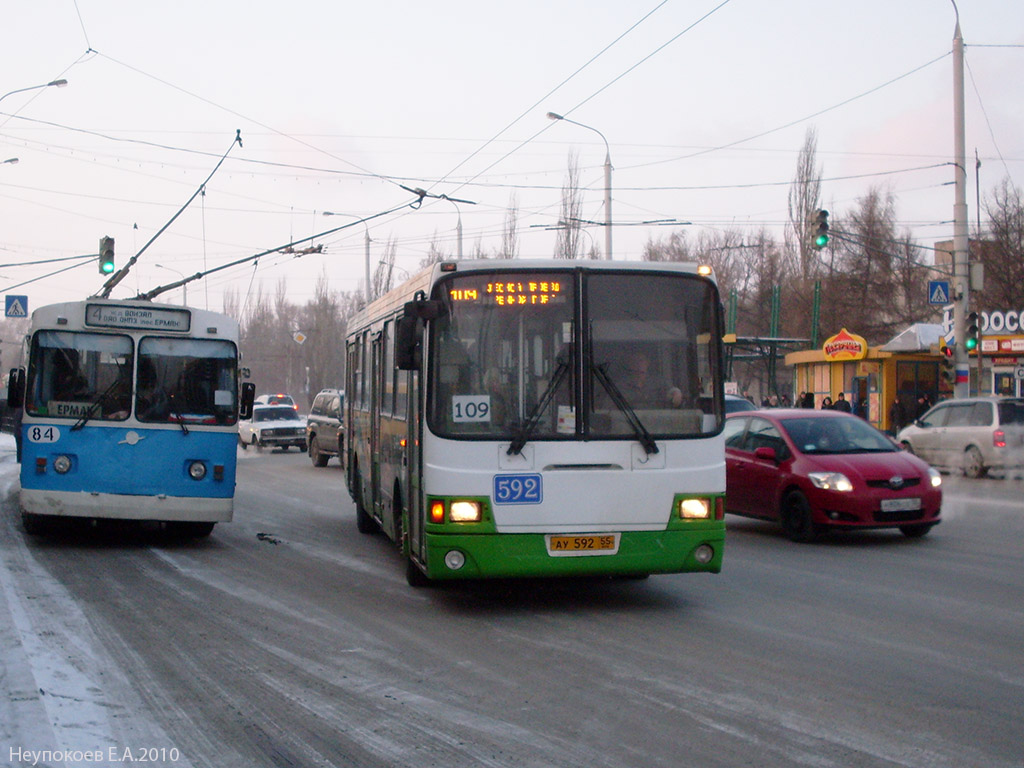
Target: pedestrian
(897, 416)
(808, 400)
(842, 404)
(826, 403)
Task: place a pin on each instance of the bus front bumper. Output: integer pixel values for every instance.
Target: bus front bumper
(639, 553)
(121, 507)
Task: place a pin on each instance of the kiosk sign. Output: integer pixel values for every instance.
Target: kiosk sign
(845, 346)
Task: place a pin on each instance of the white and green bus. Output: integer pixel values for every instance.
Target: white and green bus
(541, 418)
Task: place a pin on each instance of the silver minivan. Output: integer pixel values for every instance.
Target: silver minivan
(973, 434)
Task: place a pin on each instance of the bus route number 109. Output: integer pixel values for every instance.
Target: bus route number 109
(518, 489)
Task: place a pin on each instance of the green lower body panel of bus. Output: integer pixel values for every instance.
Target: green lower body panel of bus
(698, 548)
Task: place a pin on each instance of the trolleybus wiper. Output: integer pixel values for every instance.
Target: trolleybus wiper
(623, 405)
(173, 408)
(561, 369)
(94, 406)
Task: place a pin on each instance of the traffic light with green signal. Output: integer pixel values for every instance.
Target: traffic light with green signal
(106, 255)
(821, 230)
(972, 332)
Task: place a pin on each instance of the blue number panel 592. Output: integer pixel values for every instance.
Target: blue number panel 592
(518, 489)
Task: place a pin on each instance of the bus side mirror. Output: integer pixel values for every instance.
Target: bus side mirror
(409, 334)
(245, 404)
(16, 388)
(408, 344)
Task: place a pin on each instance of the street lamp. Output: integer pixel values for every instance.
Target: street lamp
(184, 287)
(58, 83)
(369, 289)
(607, 181)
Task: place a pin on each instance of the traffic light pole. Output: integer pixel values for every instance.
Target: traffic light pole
(961, 284)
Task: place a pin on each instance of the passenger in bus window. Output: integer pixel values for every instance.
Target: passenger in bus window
(499, 400)
(151, 403)
(644, 390)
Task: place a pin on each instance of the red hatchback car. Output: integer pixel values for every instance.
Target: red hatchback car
(815, 470)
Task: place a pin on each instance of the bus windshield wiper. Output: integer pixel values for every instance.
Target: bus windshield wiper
(642, 435)
(172, 406)
(561, 369)
(94, 406)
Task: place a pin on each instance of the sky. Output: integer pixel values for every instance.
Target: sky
(344, 107)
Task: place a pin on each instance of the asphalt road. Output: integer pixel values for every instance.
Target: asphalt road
(288, 639)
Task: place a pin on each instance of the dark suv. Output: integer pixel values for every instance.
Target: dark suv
(324, 426)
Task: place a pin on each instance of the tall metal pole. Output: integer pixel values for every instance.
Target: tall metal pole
(960, 240)
(369, 291)
(607, 181)
(607, 202)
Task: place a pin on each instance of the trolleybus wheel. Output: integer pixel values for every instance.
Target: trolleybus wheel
(34, 525)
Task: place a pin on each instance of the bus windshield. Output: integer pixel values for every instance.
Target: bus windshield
(189, 380)
(573, 355)
(74, 374)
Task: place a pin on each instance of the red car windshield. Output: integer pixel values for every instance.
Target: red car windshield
(829, 436)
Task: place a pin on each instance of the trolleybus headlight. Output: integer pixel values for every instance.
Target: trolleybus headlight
(62, 464)
(465, 512)
(454, 559)
(694, 509)
(197, 470)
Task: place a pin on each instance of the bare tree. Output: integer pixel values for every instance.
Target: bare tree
(804, 202)
(567, 243)
(383, 275)
(1004, 256)
(510, 234)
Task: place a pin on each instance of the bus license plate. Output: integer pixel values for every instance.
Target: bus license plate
(900, 505)
(583, 544)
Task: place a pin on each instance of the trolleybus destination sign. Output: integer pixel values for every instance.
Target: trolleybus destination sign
(142, 318)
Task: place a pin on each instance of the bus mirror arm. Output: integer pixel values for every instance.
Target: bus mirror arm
(16, 388)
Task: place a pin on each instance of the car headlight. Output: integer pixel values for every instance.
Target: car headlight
(831, 481)
(936, 478)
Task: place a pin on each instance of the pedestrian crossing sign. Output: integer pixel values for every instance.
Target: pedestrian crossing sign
(15, 306)
(938, 292)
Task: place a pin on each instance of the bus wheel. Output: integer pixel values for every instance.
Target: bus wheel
(414, 577)
(364, 523)
(190, 530)
(796, 518)
(34, 525)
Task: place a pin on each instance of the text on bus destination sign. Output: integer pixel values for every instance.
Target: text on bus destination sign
(141, 318)
(510, 293)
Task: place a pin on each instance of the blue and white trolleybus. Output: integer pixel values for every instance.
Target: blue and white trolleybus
(130, 413)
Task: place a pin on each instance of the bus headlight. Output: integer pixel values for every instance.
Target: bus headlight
(62, 464)
(465, 512)
(694, 509)
(197, 470)
(454, 559)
